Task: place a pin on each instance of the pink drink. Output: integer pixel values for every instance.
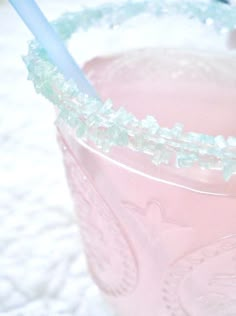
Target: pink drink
(156, 249)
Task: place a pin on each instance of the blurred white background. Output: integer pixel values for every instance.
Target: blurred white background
(42, 271)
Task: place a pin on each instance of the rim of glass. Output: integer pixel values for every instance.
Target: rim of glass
(96, 121)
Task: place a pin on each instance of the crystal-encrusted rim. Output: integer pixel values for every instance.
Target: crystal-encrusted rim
(98, 122)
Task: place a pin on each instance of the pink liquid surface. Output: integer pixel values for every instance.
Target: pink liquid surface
(155, 249)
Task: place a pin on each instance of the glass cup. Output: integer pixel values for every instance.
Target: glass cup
(156, 203)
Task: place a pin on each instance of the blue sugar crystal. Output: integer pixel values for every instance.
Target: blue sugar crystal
(177, 130)
(150, 124)
(72, 120)
(123, 139)
(156, 159)
(166, 133)
(149, 148)
(175, 144)
(210, 140)
(166, 157)
(81, 129)
(138, 142)
(194, 137)
(220, 141)
(185, 160)
(106, 107)
(161, 155)
(228, 170)
(231, 141)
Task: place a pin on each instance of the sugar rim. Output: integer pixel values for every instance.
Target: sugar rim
(97, 121)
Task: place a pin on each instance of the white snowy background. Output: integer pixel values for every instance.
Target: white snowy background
(42, 268)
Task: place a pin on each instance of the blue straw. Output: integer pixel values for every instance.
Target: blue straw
(50, 41)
